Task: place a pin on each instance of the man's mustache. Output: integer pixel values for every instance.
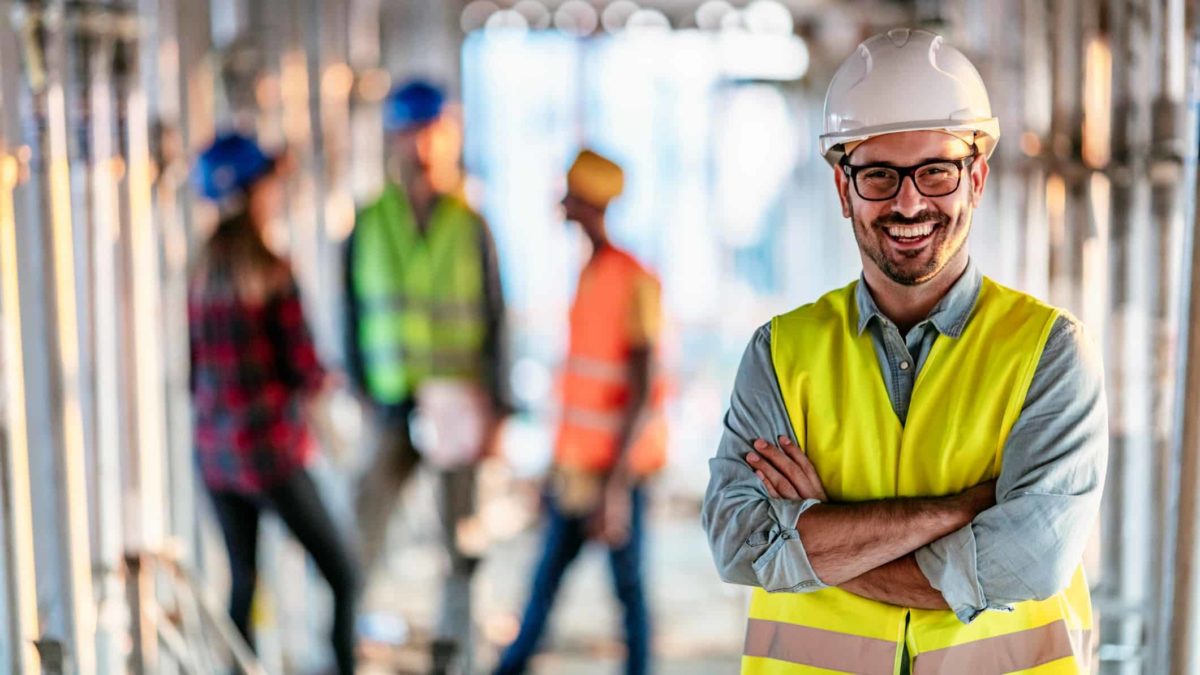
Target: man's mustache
(928, 215)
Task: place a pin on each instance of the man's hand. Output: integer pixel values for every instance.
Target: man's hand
(900, 583)
(493, 433)
(611, 523)
(785, 471)
(846, 541)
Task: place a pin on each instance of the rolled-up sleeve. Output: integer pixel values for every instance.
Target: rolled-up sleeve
(1048, 493)
(753, 537)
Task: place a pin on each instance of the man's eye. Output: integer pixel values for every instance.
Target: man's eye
(877, 174)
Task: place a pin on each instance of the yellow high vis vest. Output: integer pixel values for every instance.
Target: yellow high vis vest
(420, 295)
(965, 401)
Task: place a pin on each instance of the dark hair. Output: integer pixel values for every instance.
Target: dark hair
(235, 261)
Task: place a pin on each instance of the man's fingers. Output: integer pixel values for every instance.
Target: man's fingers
(790, 449)
(772, 476)
(783, 460)
(771, 491)
(806, 466)
(793, 451)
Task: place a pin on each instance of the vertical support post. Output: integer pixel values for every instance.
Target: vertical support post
(19, 614)
(1128, 567)
(1165, 169)
(107, 439)
(51, 342)
(1184, 630)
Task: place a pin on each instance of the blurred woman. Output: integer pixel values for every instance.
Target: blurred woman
(254, 369)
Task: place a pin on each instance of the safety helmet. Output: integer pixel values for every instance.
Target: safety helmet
(595, 179)
(412, 103)
(230, 165)
(906, 80)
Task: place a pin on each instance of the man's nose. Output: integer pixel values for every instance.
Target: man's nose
(909, 201)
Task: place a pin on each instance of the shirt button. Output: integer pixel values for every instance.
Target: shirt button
(904, 365)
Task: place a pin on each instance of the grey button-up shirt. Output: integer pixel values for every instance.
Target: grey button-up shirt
(1048, 492)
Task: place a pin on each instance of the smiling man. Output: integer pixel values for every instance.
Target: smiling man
(912, 464)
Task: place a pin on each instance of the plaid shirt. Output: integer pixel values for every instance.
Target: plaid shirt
(251, 367)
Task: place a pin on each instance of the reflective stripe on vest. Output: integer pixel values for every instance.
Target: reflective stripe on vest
(819, 648)
(842, 418)
(1010, 652)
(596, 382)
(420, 295)
(448, 310)
(596, 369)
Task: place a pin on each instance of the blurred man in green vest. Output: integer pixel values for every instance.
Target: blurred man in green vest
(425, 330)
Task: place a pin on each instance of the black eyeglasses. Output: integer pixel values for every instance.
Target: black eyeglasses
(880, 182)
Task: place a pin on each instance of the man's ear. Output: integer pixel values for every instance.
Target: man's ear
(979, 175)
(843, 188)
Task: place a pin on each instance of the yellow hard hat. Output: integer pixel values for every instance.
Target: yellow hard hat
(595, 179)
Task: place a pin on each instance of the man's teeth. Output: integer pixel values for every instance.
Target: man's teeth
(910, 231)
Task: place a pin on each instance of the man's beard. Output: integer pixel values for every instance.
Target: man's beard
(873, 240)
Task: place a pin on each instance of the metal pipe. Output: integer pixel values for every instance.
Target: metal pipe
(1124, 601)
(1065, 188)
(47, 259)
(138, 308)
(146, 305)
(95, 40)
(1165, 171)
(1036, 79)
(192, 75)
(1184, 630)
(160, 71)
(20, 610)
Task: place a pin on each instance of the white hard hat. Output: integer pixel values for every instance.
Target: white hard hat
(906, 80)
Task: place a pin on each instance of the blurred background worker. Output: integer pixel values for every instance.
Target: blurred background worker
(253, 373)
(612, 434)
(425, 324)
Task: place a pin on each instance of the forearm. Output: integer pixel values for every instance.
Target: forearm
(637, 408)
(846, 541)
(354, 367)
(495, 344)
(753, 537)
(1029, 546)
(899, 582)
(633, 419)
(495, 368)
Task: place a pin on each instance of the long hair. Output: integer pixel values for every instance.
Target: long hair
(235, 261)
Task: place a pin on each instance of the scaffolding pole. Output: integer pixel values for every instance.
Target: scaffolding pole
(47, 268)
(1128, 549)
(1167, 151)
(19, 621)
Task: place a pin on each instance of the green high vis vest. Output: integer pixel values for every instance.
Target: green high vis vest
(420, 297)
(965, 401)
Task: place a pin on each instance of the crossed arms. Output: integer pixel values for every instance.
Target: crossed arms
(866, 548)
(1017, 539)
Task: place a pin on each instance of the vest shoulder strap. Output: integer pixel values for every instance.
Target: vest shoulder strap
(834, 310)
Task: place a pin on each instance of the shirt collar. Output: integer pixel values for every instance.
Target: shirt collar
(949, 316)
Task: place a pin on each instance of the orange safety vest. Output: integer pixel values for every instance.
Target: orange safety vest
(595, 377)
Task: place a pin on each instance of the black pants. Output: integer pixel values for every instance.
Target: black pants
(300, 507)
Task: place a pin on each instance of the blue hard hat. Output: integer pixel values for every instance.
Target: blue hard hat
(413, 103)
(230, 165)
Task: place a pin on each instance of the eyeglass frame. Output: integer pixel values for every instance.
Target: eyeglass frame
(852, 170)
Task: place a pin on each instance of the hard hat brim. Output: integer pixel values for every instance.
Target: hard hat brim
(987, 130)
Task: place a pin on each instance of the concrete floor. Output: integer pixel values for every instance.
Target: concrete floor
(699, 620)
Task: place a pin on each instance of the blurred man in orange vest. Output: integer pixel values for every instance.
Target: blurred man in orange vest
(612, 434)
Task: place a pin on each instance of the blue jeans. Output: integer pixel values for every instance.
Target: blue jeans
(565, 536)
